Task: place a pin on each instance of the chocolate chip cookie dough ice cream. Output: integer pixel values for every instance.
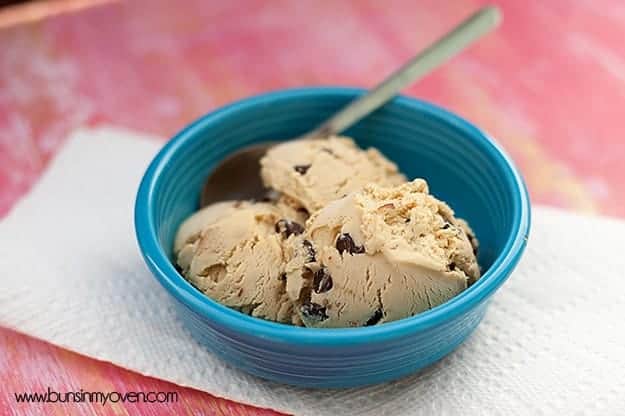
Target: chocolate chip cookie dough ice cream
(315, 172)
(233, 253)
(378, 255)
(343, 240)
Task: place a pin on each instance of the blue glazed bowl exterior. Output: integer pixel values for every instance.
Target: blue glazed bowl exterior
(463, 167)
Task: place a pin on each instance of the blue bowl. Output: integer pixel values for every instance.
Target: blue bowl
(463, 167)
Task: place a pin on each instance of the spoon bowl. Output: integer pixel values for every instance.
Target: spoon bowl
(237, 177)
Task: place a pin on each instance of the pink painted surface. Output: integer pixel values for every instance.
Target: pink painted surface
(550, 85)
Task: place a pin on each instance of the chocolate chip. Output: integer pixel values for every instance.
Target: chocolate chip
(310, 251)
(301, 169)
(288, 227)
(307, 275)
(375, 318)
(407, 220)
(314, 311)
(322, 281)
(452, 266)
(446, 226)
(345, 242)
(282, 276)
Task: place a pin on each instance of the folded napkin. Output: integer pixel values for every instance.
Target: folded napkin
(552, 341)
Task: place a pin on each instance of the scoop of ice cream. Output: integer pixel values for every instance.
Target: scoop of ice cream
(315, 172)
(378, 255)
(190, 230)
(233, 253)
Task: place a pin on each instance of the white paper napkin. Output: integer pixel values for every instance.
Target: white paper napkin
(552, 341)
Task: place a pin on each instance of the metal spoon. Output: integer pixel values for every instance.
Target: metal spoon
(237, 176)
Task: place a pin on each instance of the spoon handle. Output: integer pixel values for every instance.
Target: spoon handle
(463, 35)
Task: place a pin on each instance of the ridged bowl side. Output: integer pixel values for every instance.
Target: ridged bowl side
(333, 366)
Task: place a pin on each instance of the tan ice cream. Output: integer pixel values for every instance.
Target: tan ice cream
(342, 240)
(315, 172)
(233, 253)
(379, 255)
(292, 210)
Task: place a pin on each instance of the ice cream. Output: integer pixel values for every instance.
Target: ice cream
(315, 172)
(342, 240)
(233, 253)
(378, 255)
(291, 209)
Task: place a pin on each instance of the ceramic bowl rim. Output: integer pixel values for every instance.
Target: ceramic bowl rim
(237, 322)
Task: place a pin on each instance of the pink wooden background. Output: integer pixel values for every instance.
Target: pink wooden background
(550, 85)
